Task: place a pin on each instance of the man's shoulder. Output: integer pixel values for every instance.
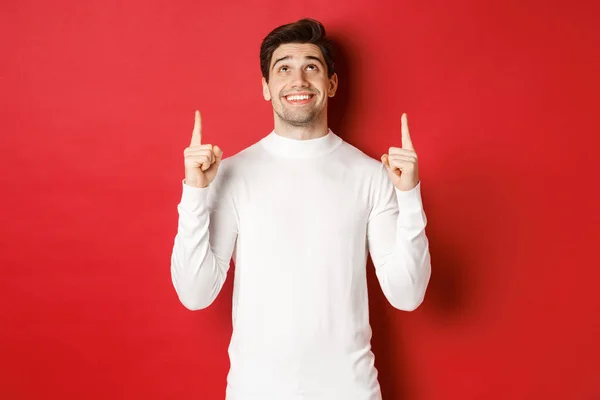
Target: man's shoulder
(359, 158)
(240, 159)
(231, 169)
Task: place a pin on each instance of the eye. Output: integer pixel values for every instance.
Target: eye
(312, 67)
(284, 68)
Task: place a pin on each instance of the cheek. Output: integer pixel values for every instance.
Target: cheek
(275, 89)
(322, 83)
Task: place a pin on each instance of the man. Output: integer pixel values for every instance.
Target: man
(298, 211)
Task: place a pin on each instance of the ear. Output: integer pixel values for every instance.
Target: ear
(265, 87)
(333, 85)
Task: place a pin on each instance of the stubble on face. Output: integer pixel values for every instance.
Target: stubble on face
(303, 116)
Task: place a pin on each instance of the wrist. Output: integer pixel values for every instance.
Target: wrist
(196, 183)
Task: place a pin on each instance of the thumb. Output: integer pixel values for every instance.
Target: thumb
(385, 161)
(218, 154)
(393, 172)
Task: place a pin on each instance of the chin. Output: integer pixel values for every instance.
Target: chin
(300, 120)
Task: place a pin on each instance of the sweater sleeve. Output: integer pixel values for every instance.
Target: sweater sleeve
(206, 234)
(398, 243)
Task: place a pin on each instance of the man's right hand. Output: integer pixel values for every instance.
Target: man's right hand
(201, 160)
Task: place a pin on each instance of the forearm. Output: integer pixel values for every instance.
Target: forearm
(405, 268)
(201, 250)
(404, 276)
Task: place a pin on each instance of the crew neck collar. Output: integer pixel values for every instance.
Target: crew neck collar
(296, 148)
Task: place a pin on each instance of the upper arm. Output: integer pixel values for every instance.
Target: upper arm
(223, 213)
(383, 216)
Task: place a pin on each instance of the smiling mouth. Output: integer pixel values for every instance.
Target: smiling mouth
(299, 99)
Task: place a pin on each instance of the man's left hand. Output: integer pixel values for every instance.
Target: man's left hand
(402, 162)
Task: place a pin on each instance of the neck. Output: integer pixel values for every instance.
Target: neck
(314, 130)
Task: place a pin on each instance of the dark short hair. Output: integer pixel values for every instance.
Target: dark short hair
(306, 30)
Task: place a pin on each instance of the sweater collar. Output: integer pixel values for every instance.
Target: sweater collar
(295, 148)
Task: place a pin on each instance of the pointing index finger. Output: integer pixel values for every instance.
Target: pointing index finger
(406, 140)
(197, 132)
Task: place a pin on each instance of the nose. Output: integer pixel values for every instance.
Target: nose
(299, 79)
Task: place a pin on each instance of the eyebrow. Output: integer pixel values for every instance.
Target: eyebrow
(315, 58)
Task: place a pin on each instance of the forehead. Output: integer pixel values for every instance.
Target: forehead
(296, 50)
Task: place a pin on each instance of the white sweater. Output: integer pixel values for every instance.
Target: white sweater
(299, 218)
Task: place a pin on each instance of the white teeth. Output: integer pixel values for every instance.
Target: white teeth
(302, 97)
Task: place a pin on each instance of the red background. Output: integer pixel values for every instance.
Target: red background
(97, 106)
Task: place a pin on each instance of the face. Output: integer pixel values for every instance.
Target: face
(298, 86)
